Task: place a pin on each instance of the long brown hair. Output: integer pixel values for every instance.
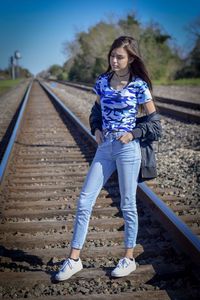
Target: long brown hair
(137, 67)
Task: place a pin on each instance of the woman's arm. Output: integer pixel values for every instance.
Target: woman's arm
(149, 126)
(149, 107)
(98, 99)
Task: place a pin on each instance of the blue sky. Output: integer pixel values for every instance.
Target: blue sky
(38, 28)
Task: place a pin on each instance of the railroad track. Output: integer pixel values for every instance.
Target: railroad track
(48, 163)
(184, 110)
(187, 210)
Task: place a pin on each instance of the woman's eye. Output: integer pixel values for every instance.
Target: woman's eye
(117, 57)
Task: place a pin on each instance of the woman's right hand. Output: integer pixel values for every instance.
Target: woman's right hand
(98, 136)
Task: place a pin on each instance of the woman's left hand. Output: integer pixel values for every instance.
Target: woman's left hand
(126, 138)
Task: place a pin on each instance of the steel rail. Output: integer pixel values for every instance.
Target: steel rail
(70, 114)
(183, 103)
(9, 147)
(178, 108)
(184, 237)
(189, 242)
(176, 111)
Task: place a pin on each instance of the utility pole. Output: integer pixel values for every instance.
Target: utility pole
(12, 64)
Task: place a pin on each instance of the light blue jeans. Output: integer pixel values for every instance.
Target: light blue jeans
(110, 155)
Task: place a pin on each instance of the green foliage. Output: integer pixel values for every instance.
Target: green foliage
(88, 52)
(6, 85)
(62, 76)
(191, 68)
(22, 73)
(98, 67)
(55, 70)
(161, 61)
(191, 65)
(91, 59)
(130, 26)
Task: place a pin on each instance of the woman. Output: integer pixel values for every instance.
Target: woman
(120, 90)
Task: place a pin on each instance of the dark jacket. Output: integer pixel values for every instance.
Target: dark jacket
(148, 129)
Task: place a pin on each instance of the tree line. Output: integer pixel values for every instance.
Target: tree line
(7, 73)
(87, 53)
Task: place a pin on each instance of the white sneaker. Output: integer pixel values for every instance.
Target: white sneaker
(124, 267)
(69, 268)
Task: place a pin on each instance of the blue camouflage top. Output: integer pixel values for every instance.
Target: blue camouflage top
(119, 107)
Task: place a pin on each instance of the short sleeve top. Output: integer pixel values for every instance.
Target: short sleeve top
(120, 107)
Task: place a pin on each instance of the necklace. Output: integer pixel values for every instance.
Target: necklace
(122, 75)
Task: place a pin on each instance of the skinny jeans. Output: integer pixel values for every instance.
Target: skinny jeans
(111, 155)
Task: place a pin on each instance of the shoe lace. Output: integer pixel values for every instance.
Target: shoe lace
(66, 263)
(123, 263)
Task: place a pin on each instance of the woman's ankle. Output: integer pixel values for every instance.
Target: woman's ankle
(129, 253)
(75, 259)
(74, 254)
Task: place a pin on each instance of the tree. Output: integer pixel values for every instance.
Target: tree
(161, 61)
(93, 48)
(88, 52)
(55, 70)
(194, 28)
(130, 26)
(191, 64)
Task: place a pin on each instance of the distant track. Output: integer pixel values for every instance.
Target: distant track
(185, 110)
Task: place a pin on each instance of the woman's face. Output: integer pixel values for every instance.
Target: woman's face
(119, 59)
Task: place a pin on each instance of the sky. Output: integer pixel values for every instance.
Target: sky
(38, 29)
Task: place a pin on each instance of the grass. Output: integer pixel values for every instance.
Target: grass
(6, 85)
(179, 82)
